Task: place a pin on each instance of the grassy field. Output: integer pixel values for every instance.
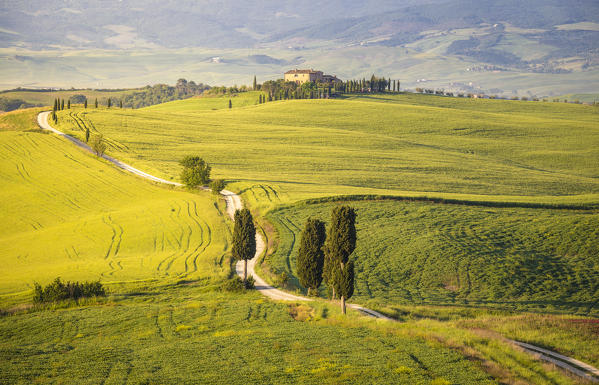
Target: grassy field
(185, 335)
(163, 252)
(424, 252)
(64, 213)
(207, 103)
(407, 143)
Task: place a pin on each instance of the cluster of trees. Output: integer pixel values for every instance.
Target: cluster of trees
(284, 90)
(325, 256)
(372, 85)
(161, 93)
(7, 104)
(60, 291)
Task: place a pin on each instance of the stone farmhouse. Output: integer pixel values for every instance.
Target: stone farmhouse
(303, 76)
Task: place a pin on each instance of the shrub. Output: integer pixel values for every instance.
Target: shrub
(250, 284)
(234, 284)
(217, 186)
(60, 291)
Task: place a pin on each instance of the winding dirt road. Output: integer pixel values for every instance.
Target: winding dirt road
(42, 121)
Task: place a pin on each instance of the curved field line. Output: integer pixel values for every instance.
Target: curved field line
(113, 236)
(200, 243)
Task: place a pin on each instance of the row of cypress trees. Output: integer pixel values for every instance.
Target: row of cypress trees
(326, 256)
(322, 255)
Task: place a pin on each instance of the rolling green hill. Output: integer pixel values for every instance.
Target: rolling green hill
(64, 213)
(498, 153)
(415, 144)
(166, 319)
(440, 253)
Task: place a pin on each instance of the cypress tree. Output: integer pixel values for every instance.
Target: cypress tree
(255, 85)
(310, 258)
(340, 243)
(69, 104)
(55, 106)
(85, 103)
(344, 282)
(96, 103)
(230, 104)
(86, 134)
(108, 103)
(389, 85)
(398, 86)
(244, 238)
(121, 103)
(62, 104)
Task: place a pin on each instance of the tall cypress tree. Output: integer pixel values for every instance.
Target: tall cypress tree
(55, 106)
(85, 103)
(255, 85)
(230, 104)
(62, 104)
(310, 258)
(340, 244)
(344, 282)
(69, 104)
(121, 103)
(96, 103)
(108, 103)
(244, 238)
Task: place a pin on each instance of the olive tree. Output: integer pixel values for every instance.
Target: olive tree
(196, 172)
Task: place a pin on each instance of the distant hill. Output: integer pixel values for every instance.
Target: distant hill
(444, 42)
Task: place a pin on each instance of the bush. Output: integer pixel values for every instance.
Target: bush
(250, 284)
(217, 186)
(60, 291)
(236, 284)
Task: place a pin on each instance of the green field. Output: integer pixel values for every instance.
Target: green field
(432, 253)
(64, 213)
(394, 144)
(521, 234)
(188, 335)
(490, 151)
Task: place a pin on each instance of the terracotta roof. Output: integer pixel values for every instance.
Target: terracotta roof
(296, 71)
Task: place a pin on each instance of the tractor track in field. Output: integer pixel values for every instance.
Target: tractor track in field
(233, 202)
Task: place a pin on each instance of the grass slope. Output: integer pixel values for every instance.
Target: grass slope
(206, 103)
(424, 252)
(185, 335)
(405, 143)
(64, 213)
